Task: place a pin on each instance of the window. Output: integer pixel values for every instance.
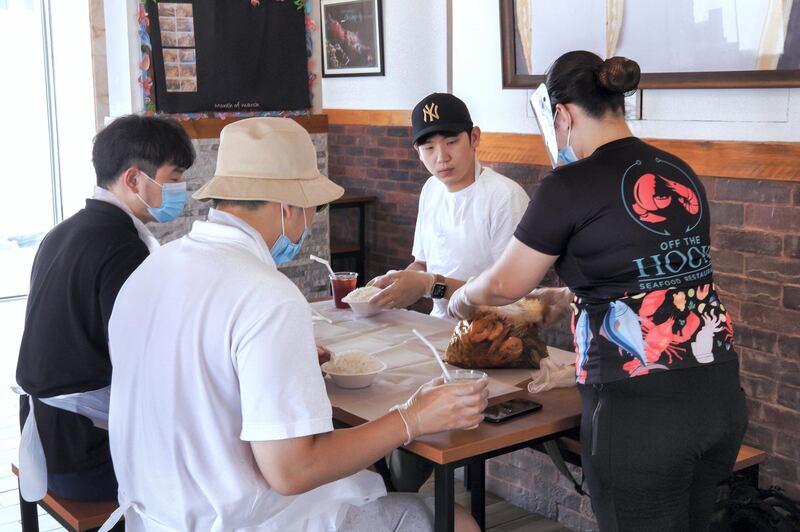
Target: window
(46, 128)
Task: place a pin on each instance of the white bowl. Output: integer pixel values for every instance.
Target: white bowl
(350, 380)
(363, 309)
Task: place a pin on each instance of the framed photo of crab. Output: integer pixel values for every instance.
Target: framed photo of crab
(352, 38)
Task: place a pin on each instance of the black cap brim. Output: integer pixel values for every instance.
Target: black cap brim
(454, 128)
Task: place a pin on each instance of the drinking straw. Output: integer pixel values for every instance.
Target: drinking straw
(435, 353)
(320, 316)
(323, 261)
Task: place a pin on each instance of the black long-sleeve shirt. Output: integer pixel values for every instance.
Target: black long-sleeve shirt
(79, 268)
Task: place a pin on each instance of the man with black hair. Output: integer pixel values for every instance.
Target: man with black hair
(467, 212)
(78, 270)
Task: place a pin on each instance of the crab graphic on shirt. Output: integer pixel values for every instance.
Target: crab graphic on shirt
(661, 197)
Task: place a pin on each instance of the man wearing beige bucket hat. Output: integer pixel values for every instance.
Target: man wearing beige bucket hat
(219, 416)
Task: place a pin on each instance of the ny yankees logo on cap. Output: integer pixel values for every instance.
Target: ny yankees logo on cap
(439, 113)
(430, 112)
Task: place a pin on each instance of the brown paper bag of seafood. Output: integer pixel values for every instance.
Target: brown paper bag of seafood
(500, 337)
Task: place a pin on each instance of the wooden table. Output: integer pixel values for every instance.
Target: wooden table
(447, 451)
(561, 411)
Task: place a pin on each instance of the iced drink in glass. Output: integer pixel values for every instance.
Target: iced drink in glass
(342, 283)
(458, 376)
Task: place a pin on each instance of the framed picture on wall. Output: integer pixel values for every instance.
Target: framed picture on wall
(352, 38)
(677, 43)
(202, 56)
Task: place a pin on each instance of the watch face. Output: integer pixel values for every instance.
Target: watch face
(438, 291)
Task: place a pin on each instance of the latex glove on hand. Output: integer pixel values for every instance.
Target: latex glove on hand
(381, 281)
(401, 289)
(436, 407)
(323, 355)
(459, 307)
(557, 301)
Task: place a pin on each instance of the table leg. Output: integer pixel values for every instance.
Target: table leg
(444, 520)
(477, 489)
(751, 474)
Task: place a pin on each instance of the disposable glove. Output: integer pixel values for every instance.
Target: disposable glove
(436, 407)
(459, 307)
(556, 300)
(402, 289)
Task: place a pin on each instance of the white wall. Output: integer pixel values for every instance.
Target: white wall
(416, 64)
(123, 52)
(415, 43)
(415, 58)
(719, 114)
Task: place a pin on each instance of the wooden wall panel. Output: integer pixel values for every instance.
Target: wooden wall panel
(369, 117)
(209, 128)
(777, 161)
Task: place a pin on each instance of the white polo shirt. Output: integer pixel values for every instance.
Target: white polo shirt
(213, 348)
(460, 234)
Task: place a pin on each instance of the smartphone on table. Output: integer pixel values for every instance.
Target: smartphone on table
(509, 409)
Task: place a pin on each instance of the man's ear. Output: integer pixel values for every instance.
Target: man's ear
(130, 179)
(291, 212)
(475, 136)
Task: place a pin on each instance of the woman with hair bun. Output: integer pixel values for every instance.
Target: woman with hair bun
(626, 227)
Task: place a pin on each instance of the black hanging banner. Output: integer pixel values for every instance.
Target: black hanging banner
(229, 56)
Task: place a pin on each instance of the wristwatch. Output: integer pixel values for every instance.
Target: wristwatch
(439, 287)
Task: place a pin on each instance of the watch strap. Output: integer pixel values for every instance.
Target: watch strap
(439, 287)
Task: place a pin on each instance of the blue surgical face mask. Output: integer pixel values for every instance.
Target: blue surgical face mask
(284, 250)
(566, 154)
(173, 199)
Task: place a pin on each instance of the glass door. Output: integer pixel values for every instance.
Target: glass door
(27, 167)
(46, 129)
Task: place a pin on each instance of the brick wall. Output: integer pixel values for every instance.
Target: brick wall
(756, 258)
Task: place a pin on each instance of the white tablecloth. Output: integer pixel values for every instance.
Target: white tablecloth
(388, 337)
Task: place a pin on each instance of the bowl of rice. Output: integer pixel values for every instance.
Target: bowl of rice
(354, 369)
(359, 303)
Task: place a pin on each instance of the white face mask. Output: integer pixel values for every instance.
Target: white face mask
(284, 250)
(173, 200)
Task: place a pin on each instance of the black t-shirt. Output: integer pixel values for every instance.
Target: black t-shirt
(630, 224)
(79, 268)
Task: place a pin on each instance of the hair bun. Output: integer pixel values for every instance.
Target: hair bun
(619, 74)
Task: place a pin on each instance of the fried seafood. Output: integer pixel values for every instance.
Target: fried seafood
(500, 337)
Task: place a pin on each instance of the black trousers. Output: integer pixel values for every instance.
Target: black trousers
(96, 484)
(655, 447)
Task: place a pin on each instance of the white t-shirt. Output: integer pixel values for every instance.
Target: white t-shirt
(213, 348)
(460, 234)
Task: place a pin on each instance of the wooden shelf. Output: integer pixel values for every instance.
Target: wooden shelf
(349, 200)
(342, 249)
(354, 250)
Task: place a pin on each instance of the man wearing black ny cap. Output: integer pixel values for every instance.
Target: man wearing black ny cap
(467, 212)
(467, 215)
